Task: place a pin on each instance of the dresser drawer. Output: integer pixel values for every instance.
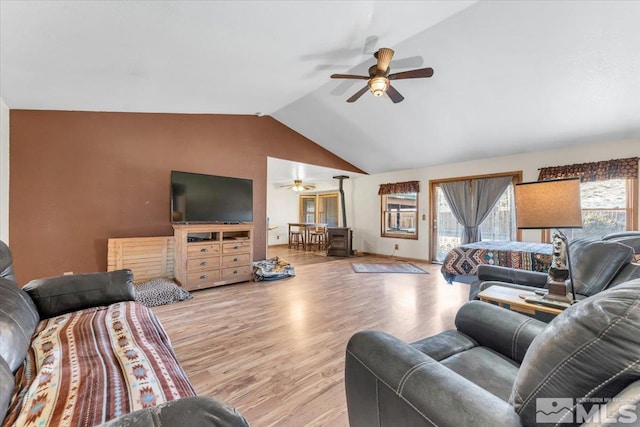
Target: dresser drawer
(202, 279)
(197, 264)
(198, 250)
(239, 273)
(237, 259)
(236, 246)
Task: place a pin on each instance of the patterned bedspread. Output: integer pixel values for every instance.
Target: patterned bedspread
(89, 366)
(464, 260)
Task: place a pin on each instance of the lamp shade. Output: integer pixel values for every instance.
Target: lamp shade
(548, 204)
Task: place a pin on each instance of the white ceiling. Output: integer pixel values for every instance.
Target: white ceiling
(509, 76)
(283, 172)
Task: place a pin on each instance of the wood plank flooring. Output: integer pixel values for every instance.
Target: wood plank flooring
(275, 350)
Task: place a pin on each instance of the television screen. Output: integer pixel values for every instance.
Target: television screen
(208, 198)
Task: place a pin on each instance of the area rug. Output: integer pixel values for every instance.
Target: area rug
(387, 267)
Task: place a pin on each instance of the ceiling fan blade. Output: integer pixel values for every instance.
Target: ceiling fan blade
(370, 44)
(394, 94)
(412, 74)
(358, 94)
(348, 76)
(384, 56)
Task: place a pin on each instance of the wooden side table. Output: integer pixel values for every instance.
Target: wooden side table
(513, 299)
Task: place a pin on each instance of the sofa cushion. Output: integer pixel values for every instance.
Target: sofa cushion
(18, 320)
(63, 294)
(629, 238)
(6, 387)
(594, 264)
(444, 344)
(486, 368)
(90, 366)
(589, 351)
(6, 262)
(188, 411)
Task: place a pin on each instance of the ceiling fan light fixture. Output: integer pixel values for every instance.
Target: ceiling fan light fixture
(297, 185)
(378, 85)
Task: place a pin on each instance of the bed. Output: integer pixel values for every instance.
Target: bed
(461, 263)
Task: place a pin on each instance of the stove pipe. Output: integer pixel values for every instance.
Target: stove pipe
(344, 212)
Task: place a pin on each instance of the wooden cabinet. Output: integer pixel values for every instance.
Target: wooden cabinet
(210, 255)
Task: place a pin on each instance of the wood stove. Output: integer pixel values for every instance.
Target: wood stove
(339, 240)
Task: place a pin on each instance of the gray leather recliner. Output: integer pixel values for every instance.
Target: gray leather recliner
(501, 368)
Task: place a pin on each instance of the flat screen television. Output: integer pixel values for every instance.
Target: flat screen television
(204, 198)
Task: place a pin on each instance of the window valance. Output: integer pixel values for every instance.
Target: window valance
(399, 187)
(594, 171)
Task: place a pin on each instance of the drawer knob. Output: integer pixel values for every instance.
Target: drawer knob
(203, 250)
(204, 276)
(236, 247)
(235, 271)
(204, 263)
(235, 260)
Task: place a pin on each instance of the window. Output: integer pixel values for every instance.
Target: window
(319, 209)
(606, 208)
(399, 209)
(400, 215)
(446, 232)
(608, 193)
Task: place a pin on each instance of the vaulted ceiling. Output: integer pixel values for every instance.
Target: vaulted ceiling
(510, 76)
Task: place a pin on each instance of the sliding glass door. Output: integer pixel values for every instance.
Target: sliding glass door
(446, 232)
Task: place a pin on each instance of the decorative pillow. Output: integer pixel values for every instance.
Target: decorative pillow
(58, 295)
(160, 292)
(590, 351)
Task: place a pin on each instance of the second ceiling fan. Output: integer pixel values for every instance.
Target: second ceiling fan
(379, 77)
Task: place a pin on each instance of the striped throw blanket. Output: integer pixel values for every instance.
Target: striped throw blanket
(89, 366)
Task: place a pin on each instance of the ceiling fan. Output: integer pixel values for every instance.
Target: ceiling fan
(379, 77)
(299, 186)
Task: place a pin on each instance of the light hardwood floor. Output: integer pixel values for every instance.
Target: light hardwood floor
(275, 350)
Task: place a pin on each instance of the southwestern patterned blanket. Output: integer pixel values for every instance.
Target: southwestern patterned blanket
(93, 365)
(464, 260)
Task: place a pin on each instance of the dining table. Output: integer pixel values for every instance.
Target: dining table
(306, 226)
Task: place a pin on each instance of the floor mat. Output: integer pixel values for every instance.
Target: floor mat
(387, 267)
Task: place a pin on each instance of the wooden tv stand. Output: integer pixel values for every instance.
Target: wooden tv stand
(208, 255)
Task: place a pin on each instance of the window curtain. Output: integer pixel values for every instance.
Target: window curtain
(399, 187)
(471, 201)
(594, 171)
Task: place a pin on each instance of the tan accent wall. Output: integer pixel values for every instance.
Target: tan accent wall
(79, 178)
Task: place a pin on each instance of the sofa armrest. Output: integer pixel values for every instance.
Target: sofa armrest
(507, 332)
(388, 382)
(485, 285)
(58, 295)
(511, 275)
(189, 411)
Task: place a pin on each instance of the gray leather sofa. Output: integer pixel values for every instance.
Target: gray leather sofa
(501, 368)
(21, 312)
(595, 266)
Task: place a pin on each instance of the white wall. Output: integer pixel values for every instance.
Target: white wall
(4, 172)
(282, 208)
(367, 202)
